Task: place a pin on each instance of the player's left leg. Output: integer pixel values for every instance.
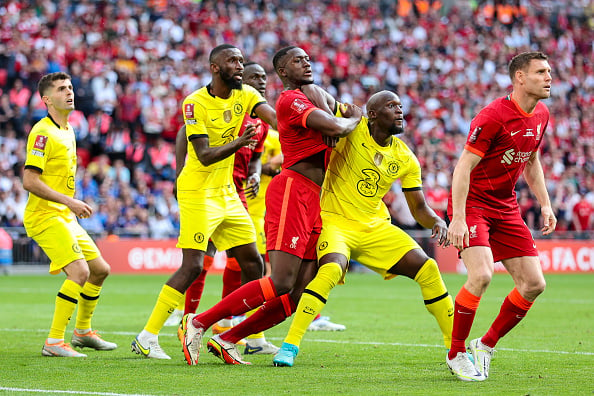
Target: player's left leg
(84, 335)
(416, 265)
(530, 283)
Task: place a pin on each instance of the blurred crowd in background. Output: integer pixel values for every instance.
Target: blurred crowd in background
(133, 62)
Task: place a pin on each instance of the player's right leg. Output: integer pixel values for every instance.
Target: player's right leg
(65, 254)
(313, 299)
(479, 264)
(66, 302)
(146, 342)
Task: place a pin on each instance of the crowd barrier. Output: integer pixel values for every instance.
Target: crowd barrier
(142, 255)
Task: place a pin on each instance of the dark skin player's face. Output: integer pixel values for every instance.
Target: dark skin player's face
(390, 116)
(297, 67)
(255, 76)
(230, 66)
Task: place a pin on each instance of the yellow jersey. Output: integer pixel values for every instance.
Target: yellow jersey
(51, 150)
(219, 119)
(361, 172)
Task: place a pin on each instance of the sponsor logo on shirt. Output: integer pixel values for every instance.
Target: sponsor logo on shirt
(528, 133)
(510, 156)
(37, 153)
(298, 106)
(40, 142)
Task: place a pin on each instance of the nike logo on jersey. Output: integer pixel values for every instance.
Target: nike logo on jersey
(464, 313)
(214, 119)
(515, 133)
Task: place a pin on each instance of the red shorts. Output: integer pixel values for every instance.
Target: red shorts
(292, 222)
(507, 235)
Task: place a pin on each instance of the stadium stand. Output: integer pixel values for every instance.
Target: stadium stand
(132, 62)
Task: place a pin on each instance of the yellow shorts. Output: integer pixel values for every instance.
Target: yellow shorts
(378, 246)
(222, 219)
(65, 241)
(260, 234)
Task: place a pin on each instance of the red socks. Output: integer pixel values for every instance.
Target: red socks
(231, 277)
(194, 292)
(513, 310)
(465, 307)
(247, 297)
(270, 314)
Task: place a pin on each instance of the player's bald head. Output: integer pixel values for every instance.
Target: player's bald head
(379, 99)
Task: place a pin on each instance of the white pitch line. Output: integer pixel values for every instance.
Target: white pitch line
(2, 388)
(128, 333)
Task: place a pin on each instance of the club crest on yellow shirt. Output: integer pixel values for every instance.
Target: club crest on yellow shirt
(227, 115)
(378, 159)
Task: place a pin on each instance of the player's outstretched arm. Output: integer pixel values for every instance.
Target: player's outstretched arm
(329, 125)
(426, 216)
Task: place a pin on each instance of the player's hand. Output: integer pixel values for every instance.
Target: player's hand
(458, 233)
(248, 137)
(351, 111)
(81, 209)
(252, 186)
(549, 220)
(440, 231)
(330, 141)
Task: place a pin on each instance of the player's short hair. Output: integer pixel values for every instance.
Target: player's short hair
(217, 50)
(521, 61)
(48, 80)
(250, 63)
(276, 60)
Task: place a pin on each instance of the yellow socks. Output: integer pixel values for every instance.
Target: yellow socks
(437, 300)
(89, 296)
(65, 305)
(313, 300)
(168, 300)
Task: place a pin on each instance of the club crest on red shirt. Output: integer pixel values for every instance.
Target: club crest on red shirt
(298, 106)
(189, 110)
(40, 142)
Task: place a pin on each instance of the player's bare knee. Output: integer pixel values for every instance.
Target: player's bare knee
(532, 289)
(481, 279)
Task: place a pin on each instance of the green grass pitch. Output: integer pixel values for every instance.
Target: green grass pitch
(391, 345)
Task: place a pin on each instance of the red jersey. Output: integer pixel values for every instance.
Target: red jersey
(582, 211)
(297, 140)
(505, 137)
(243, 156)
